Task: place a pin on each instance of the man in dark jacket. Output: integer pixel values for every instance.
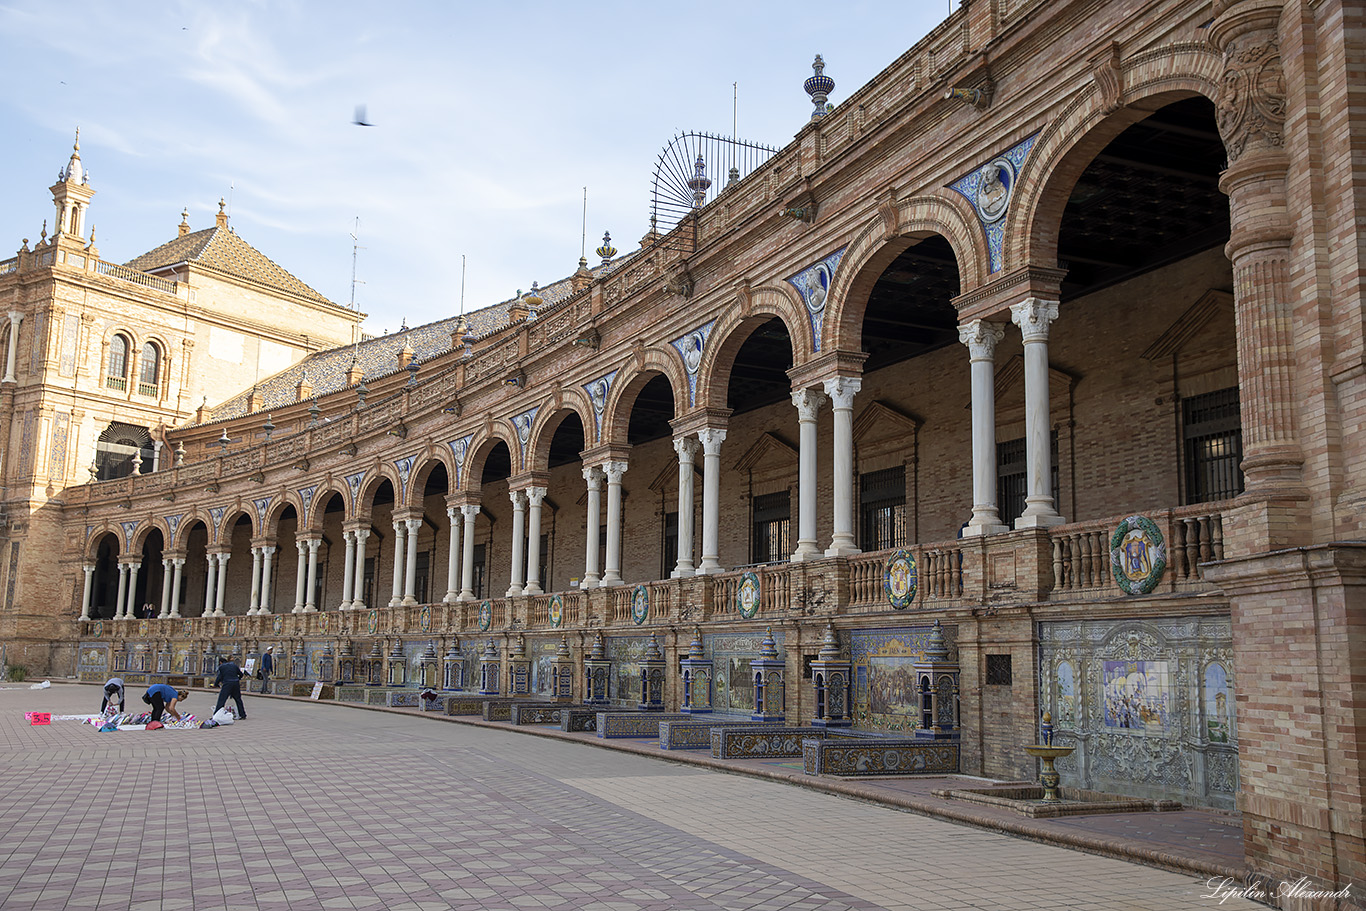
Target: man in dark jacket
(229, 683)
(163, 698)
(267, 668)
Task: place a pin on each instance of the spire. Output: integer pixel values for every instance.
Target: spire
(71, 195)
(74, 172)
(222, 219)
(184, 222)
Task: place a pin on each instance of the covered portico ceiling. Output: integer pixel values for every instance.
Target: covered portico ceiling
(1150, 198)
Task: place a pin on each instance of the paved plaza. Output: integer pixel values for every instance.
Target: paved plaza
(316, 806)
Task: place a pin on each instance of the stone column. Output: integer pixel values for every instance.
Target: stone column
(518, 498)
(613, 471)
(808, 402)
(178, 571)
(210, 584)
(268, 557)
(711, 439)
(1273, 510)
(310, 606)
(593, 477)
(981, 338)
(1034, 317)
(534, 496)
(452, 556)
(400, 535)
(89, 570)
(842, 390)
(686, 447)
(222, 584)
(348, 570)
(165, 589)
(361, 535)
(133, 569)
(15, 319)
(123, 591)
(300, 571)
(410, 576)
(471, 512)
(255, 604)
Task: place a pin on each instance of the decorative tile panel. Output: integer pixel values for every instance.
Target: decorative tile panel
(1149, 705)
(990, 189)
(597, 395)
(813, 284)
(690, 347)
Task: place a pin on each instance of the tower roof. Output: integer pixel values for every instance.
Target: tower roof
(221, 250)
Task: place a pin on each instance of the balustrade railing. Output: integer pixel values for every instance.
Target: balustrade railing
(1192, 535)
(133, 275)
(939, 575)
(9, 265)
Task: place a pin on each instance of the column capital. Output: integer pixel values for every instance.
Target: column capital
(400, 526)
(981, 337)
(711, 439)
(686, 447)
(808, 402)
(15, 317)
(518, 498)
(1034, 316)
(842, 390)
(470, 511)
(593, 475)
(176, 561)
(88, 567)
(314, 544)
(535, 495)
(361, 534)
(614, 471)
(414, 525)
(452, 512)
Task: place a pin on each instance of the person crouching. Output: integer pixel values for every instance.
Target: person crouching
(163, 698)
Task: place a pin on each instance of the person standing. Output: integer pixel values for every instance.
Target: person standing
(229, 683)
(163, 698)
(113, 694)
(267, 666)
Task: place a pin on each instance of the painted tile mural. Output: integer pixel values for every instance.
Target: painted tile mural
(730, 655)
(1148, 705)
(884, 675)
(626, 652)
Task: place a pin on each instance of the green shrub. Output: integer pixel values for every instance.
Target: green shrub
(18, 672)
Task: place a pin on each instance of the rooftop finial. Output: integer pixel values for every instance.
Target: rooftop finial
(700, 182)
(606, 251)
(184, 222)
(222, 217)
(819, 88)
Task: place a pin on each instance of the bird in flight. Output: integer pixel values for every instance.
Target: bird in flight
(360, 120)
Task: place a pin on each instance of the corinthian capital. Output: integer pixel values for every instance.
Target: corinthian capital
(981, 338)
(1034, 317)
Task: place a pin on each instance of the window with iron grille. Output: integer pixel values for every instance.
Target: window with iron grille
(998, 670)
(668, 559)
(1012, 477)
(1212, 429)
(772, 518)
(882, 509)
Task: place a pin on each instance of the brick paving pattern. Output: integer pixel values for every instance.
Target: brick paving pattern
(314, 806)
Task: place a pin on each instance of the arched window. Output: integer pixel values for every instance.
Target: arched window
(121, 450)
(116, 377)
(150, 374)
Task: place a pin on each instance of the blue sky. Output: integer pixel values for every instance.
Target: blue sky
(489, 120)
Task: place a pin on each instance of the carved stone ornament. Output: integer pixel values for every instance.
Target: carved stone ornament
(887, 211)
(1108, 72)
(681, 282)
(1251, 106)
